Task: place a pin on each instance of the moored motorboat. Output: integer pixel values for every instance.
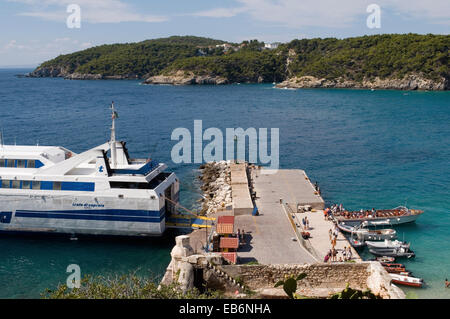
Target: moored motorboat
(396, 216)
(387, 244)
(395, 268)
(380, 234)
(384, 259)
(392, 252)
(406, 280)
(356, 243)
(364, 234)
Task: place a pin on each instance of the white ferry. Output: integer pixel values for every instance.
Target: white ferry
(51, 189)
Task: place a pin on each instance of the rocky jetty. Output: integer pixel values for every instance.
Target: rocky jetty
(185, 78)
(409, 82)
(216, 186)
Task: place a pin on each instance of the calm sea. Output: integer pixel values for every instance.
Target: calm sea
(365, 148)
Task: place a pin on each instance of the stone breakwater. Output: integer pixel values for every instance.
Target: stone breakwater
(216, 186)
(409, 82)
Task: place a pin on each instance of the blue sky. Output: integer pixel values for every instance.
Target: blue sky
(35, 30)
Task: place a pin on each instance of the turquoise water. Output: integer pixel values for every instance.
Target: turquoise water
(366, 148)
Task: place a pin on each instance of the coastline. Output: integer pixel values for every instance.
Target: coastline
(411, 82)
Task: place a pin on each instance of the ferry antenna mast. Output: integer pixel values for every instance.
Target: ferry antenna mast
(113, 136)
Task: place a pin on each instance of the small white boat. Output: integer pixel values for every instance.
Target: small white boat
(387, 244)
(356, 243)
(384, 259)
(392, 252)
(406, 280)
(364, 234)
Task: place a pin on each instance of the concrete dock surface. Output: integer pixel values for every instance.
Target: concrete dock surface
(320, 240)
(271, 237)
(274, 236)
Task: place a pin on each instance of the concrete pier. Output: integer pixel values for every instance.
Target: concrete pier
(242, 202)
(275, 235)
(273, 241)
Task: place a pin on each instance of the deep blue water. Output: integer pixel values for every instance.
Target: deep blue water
(366, 148)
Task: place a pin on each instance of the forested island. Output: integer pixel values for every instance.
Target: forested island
(388, 61)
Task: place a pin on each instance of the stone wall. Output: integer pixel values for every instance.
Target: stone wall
(321, 279)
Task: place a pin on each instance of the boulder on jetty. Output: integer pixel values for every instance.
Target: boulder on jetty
(216, 186)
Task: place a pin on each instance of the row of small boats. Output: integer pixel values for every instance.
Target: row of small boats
(383, 244)
(399, 275)
(361, 235)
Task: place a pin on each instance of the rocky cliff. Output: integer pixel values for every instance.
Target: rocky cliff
(185, 78)
(409, 82)
(61, 72)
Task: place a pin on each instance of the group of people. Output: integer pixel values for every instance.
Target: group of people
(334, 209)
(332, 254)
(241, 236)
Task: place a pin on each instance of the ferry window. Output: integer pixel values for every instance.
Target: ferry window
(129, 185)
(31, 164)
(10, 162)
(2, 163)
(21, 163)
(15, 184)
(57, 186)
(36, 185)
(5, 183)
(26, 185)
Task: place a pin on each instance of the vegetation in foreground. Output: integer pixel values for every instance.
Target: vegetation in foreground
(130, 286)
(127, 286)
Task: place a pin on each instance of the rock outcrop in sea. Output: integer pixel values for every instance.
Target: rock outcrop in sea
(216, 186)
(60, 72)
(408, 82)
(185, 78)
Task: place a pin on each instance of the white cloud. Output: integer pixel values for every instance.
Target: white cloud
(330, 13)
(92, 11)
(47, 49)
(220, 12)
